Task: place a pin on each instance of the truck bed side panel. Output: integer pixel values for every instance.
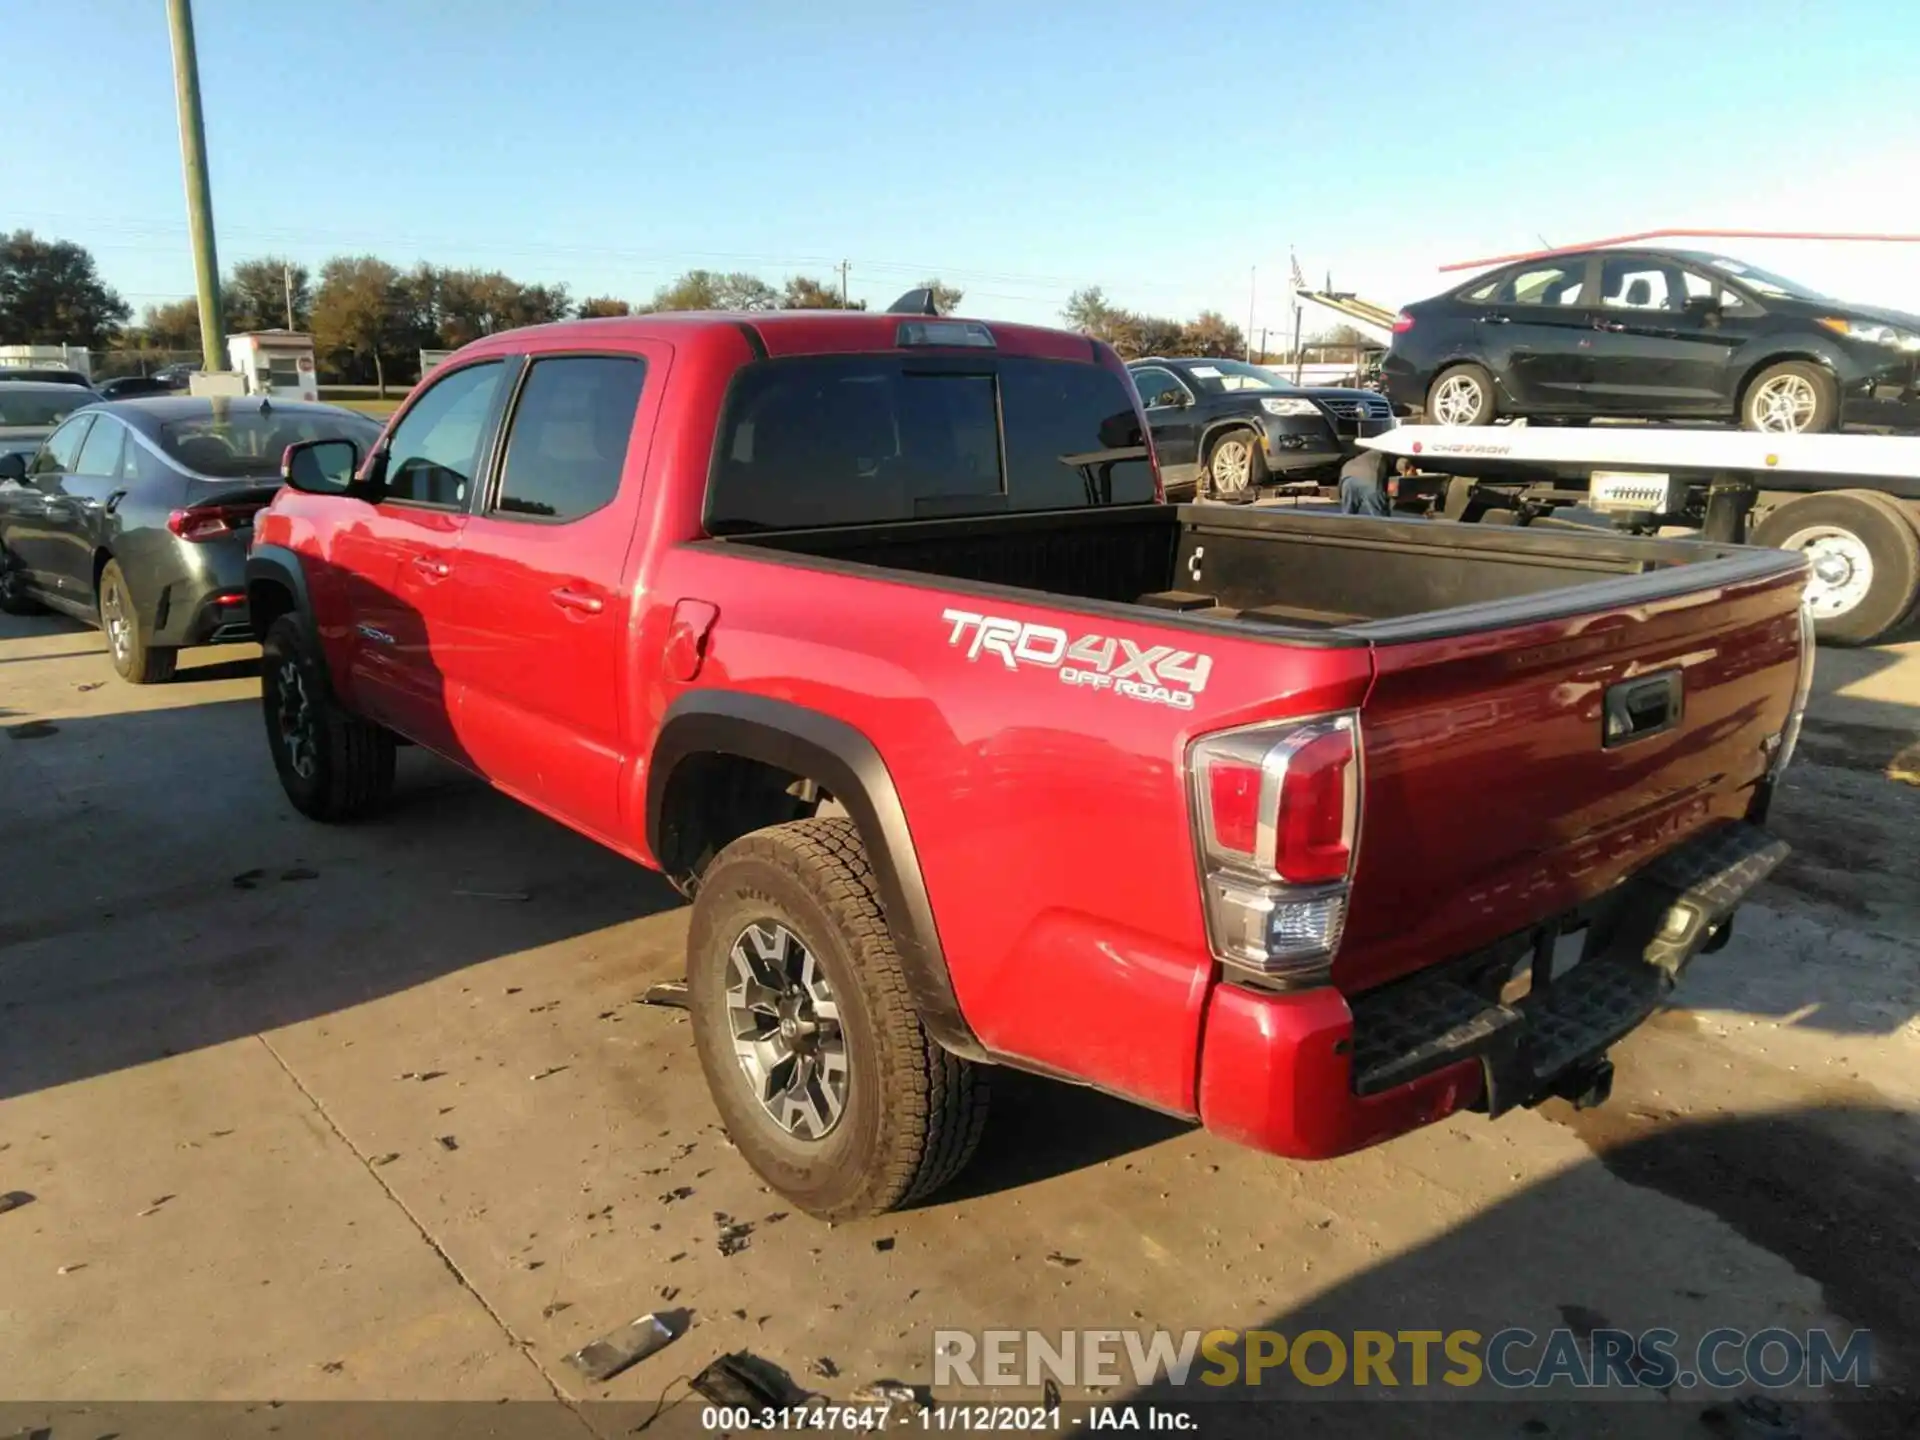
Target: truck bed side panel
(1491, 803)
(1050, 819)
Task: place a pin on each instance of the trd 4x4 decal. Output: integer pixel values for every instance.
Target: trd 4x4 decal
(1158, 674)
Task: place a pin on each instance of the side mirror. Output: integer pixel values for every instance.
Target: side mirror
(13, 468)
(320, 467)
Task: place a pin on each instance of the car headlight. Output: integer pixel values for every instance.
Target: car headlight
(1290, 405)
(1873, 332)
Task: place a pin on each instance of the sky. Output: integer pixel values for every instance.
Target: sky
(1175, 154)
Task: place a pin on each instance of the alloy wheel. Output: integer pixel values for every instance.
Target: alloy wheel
(1232, 467)
(785, 1023)
(1784, 404)
(1457, 400)
(113, 610)
(1842, 568)
(294, 717)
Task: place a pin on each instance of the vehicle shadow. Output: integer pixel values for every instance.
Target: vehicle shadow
(1826, 1190)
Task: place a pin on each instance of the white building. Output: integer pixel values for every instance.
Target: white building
(275, 362)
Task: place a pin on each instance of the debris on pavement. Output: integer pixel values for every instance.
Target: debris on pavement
(679, 1192)
(386, 1159)
(509, 896)
(69, 1269)
(334, 1367)
(247, 879)
(90, 685)
(422, 1075)
(732, 1238)
(13, 1200)
(554, 1307)
(447, 1142)
(300, 872)
(1065, 1262)
(825, 1368)
(883, 1244)
(668, 994)
(550, 1070)
(153, 1207)
(743, 1378)
(1050, 1394)
(606, 1357)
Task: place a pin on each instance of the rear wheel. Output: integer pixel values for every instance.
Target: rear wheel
(1235, 467)
(134, 658)
(333, 765)
(822, 1072)
(1462, 396)
(1794, 397)
(1864, 550)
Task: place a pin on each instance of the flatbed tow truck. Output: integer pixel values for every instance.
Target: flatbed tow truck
(1850, 503)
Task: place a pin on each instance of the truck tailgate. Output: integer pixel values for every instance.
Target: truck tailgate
(1511, 774)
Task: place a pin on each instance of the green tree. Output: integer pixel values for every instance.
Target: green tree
(254, 295)
(1089, 312)
(1211, 333)
(946, 298)
(601, 307)
(364, 310)
(803, 292)
(51, 294)
(710, 290)
(174, 325)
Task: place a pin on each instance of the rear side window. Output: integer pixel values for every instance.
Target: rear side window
(100, 456)
(568, 440)
(848, 440)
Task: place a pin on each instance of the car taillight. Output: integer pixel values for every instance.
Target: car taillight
(206, 522)
(1402, 323)
(1277, 811)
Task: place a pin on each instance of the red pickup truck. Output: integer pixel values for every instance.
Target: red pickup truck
(874, 633)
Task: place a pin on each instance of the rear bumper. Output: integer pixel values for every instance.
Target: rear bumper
(201, 597)
(1314, 1075)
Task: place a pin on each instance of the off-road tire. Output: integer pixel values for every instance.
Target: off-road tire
(913, 1113)
(135, 659)
(1879, 526)
(351, 771)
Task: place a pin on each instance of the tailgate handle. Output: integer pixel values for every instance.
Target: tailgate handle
(1635, 709)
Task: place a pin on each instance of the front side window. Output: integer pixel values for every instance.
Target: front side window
(841, 440)
(435, 449)
(1630, 282)
(1701, 287)
(62, 447)
(100, 456)
(568, 439)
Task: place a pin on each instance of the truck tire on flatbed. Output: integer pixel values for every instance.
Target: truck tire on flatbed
(823, 1074)
(1865, 553)
(333, 765)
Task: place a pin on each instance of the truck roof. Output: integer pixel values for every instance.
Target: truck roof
(787, 332)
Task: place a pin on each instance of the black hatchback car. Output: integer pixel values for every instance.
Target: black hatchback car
(135, 515)
(1225, 428)
(1653, 335)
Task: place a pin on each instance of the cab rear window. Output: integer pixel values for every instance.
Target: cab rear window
(864, 439)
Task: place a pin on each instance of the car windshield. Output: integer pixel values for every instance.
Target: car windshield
(1767, 283)
(1217, 377)
(39, 407)
(249, 446)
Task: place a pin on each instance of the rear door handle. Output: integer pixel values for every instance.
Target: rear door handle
(432, 566)
(568, 598)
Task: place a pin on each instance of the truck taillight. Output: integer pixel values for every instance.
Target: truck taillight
(1402, 323)
(1277, 811)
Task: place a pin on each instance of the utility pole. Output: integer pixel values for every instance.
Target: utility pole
(1253, 279)
(286, 280)
(193, 161)
(844, 264)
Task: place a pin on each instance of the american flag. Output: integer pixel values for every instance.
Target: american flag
(1299, 280)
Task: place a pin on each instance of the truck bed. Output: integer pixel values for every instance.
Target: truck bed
(1325, 579)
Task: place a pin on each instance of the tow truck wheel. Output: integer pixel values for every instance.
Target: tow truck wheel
(1462, 395)
(1791, 398)
(1865, 556)
(821, 1070)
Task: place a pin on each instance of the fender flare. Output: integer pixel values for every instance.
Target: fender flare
(845, 763)
(277, 565)
(1220, 426)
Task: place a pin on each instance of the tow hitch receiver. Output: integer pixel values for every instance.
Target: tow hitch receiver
(1586, 1086)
